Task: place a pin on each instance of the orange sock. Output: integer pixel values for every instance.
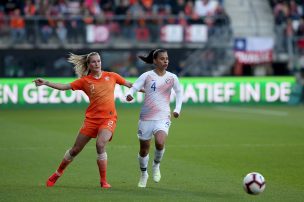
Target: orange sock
(102, 165)
(64, 163)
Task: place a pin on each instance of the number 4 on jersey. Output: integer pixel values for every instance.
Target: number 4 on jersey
(153, 86)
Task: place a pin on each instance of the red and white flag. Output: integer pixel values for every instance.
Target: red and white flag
(253, 50)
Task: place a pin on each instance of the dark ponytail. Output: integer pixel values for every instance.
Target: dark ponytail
(152, 55)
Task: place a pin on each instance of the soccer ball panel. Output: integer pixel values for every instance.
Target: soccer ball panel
(254, 183)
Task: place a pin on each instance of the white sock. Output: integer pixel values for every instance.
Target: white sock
(143, 163)
(158, 155)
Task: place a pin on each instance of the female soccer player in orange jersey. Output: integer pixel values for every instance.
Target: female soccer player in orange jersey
(100, 116)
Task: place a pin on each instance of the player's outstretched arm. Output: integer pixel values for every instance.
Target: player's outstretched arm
(129, 85)
(137, 86)
(58, 86)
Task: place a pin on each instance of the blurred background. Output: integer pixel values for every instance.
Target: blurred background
(204, 38)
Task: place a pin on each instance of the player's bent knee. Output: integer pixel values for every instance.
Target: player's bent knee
(143, 153)
(100, 147)
(160, 146)
(101, 144)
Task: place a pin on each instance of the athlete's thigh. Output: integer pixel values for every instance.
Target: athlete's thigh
(104, 135)
(160, 137)
(81, 140)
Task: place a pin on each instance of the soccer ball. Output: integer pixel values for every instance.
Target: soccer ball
(254, 183)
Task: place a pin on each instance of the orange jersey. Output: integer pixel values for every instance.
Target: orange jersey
(100, 92)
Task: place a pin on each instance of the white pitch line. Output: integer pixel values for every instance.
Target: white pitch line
(253, 111)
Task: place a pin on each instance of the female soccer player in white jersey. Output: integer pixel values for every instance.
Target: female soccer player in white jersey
(155, 113)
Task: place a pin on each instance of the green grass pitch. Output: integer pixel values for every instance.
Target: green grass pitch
(209, 150)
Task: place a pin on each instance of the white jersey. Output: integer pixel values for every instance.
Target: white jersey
(157, 94)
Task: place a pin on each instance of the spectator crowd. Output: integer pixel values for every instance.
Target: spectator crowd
(65, 21)
(289, 23)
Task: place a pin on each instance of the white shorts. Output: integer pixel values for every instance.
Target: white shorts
(148, 128)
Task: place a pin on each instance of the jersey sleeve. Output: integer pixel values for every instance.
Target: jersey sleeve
(77, 84)
(119, 79)
(179, 97)
(138, 85)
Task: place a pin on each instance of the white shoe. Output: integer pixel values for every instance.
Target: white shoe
(156, 173)
(143, 180)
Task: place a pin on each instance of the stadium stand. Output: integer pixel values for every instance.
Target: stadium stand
(72, 22)
(201, 34)
(256, 17)
(199, 27)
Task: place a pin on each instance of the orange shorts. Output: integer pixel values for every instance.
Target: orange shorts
(91, 127)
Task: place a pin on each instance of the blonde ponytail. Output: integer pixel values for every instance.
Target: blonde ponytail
(80, 63)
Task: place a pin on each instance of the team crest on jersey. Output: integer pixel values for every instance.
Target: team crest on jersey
(168, 81)
(107, 78)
